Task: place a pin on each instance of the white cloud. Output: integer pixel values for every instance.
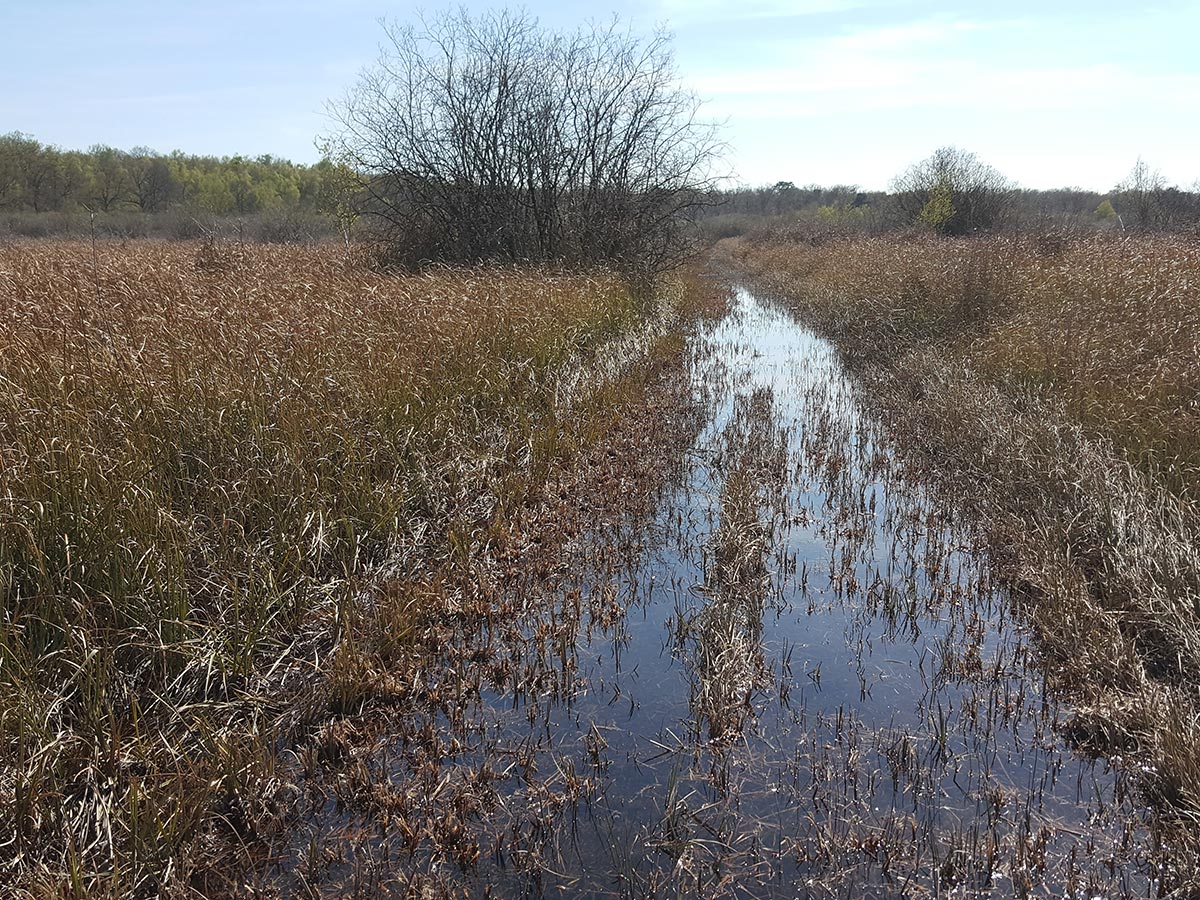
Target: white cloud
(859, 105)
(863, 86)
(901, 37)
(926, 64)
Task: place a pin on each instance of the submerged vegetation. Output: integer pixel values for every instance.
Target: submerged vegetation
(1106, 326)
(777, 666)
(501, 553)
(232, 479)
(728, 629)
(1051, 381)
(321, 580)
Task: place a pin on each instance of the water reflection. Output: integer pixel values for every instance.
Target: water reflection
(797, 679)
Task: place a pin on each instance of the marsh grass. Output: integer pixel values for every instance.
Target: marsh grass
(1052, 383)
(229, 477)
(553, 742)
(726, 631)
(440, 787)
(1106, 327)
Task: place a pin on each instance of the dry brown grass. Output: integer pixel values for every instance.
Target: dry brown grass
(1108, 327)
(1054, 382)
(218, 465)
(726, 631)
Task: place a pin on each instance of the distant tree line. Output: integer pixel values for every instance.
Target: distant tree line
(785, 197)
(37, 178)
(954, 193)
(522, 206)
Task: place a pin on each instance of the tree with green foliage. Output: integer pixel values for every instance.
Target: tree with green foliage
(967, 195)
(109, 186)
(938, 211)
(152, 183)
(13, 163)
(40, 178)
(844, 215)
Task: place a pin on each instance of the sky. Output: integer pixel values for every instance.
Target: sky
(1052, 94)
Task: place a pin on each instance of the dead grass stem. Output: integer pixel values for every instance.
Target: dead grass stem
(1054, 383)
(228, 478)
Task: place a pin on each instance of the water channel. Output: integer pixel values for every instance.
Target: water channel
(803, 682)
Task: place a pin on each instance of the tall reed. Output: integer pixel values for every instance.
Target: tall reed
(209, 456)
(1107, 326)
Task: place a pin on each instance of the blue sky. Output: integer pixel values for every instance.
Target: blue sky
(811, 91)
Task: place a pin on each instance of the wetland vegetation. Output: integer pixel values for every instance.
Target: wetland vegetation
(234, 479)
(484, 529)
(1049, 382)
(514, 581)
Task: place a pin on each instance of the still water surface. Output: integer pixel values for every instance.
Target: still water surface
(798, 679)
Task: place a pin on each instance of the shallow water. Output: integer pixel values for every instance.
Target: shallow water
(798, 679)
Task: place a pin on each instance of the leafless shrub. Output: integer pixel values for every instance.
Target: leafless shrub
(493, 137)
(954, 193)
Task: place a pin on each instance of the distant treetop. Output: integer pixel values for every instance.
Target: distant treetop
(37, 177)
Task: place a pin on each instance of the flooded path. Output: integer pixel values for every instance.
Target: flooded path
(797, 678)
